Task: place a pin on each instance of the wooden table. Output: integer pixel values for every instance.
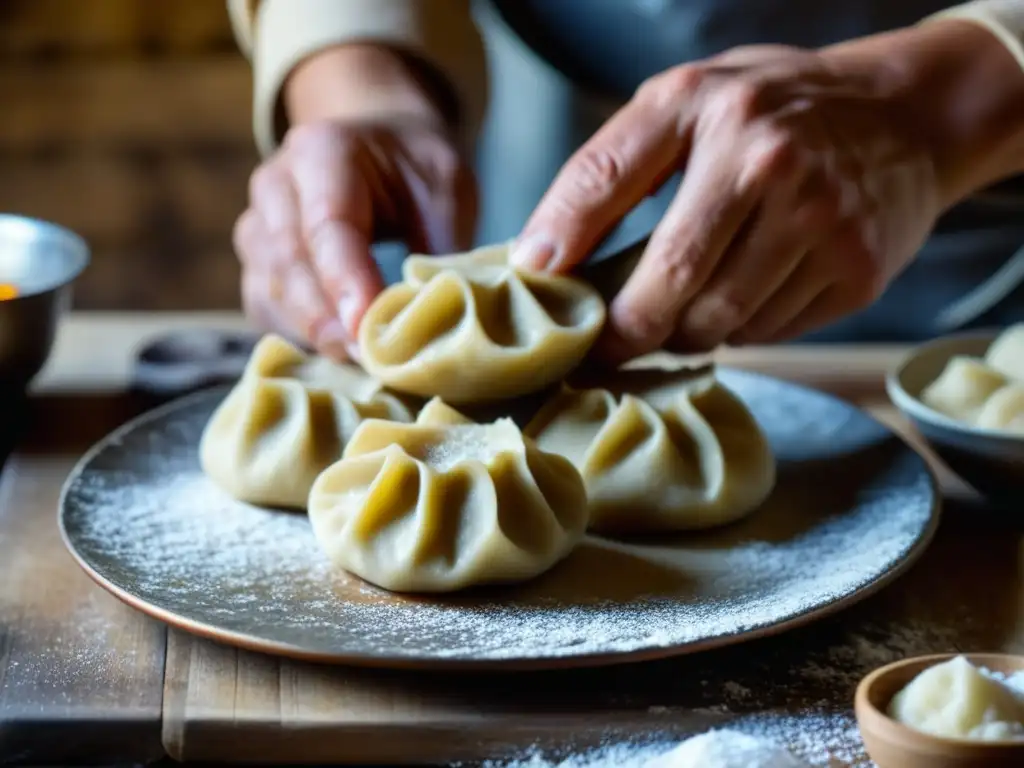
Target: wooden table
(84, 678)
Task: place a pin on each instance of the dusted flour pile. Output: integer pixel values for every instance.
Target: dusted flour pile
(778, 741)
(727, 749)
(143, 515)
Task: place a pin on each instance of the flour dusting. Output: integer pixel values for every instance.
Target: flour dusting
(141, 513)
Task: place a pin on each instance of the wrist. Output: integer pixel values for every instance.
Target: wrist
(955, 87)
(366, 83)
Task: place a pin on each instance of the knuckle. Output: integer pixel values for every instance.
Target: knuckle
(740, 99)
(242, 234)
(598, 171)
(775, 155)
(680, 81)
(304, 136)
(262, 180)
(637, 322)
(676, 265)
(722, 311)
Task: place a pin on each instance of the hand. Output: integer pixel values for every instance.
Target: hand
(318, 204)
(805, 193)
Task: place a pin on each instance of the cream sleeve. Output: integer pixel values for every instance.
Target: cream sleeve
(278, 34)
(1004, 18)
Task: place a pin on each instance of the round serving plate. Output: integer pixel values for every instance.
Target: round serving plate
(853, 508)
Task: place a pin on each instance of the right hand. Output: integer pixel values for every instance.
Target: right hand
(319, 203)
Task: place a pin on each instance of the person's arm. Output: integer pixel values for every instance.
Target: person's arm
(361, 59)
(960, 78)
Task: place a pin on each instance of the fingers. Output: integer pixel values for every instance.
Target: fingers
(700, 225)
(632, 154)
(759, 263)
(807, 282)
(823, 310)
(280, 292)
(336, 218)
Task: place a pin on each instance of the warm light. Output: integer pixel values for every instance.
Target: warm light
(8, 291)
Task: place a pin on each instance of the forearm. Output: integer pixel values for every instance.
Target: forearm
(959, 88)
(421, 58)
(363, 82)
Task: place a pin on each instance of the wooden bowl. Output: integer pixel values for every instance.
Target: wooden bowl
(894, 745)
(992, 462)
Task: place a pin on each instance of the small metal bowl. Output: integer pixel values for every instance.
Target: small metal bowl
(990, 461)
(891, 744)
(41, 261)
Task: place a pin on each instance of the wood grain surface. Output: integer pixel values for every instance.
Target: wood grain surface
(73, 661)
(130, 123)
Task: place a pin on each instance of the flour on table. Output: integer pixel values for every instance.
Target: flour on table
(143, 512)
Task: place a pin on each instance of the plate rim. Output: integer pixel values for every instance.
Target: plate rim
(251, 642)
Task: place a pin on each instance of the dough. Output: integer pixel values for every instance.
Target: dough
(287, 419)
(727, 749)
(957, 700)
(962, 388)
(660, 450)
(445, 504)
(1004, 410)
(469, 328)
(1006, 354)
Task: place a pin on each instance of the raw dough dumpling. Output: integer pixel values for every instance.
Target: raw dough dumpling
(1004, 411)
(469, 328)
(660, 450)
(288, 418)
(445, 504)
(1006, 354)
(962, 388)
(957, 700)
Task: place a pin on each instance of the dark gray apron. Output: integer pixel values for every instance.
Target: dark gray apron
(607, 47)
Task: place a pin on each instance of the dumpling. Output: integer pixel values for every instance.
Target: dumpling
(469, 328)
(660, 450)
(288, 418)
(1006, 354)
(962, 388)
(956, 700)
(1004, 410)
(446, 504)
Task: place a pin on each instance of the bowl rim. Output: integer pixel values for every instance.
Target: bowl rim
(864, 709)
(916, 409)
(78, 247)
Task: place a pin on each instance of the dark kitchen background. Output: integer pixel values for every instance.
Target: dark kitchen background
(128, 121)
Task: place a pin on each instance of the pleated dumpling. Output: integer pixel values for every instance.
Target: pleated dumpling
(1004, 410)
(445, 504)
(660, 450)
(1006, 354)
(469, 328)
(287, 418)
(963, 388)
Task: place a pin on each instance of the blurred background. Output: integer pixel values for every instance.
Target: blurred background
(129, 122)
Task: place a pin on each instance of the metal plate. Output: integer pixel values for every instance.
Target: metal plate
(854, 506)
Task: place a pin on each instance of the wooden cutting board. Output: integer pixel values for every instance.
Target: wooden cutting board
(94, 677)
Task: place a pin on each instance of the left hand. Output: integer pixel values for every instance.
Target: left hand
(805, 193)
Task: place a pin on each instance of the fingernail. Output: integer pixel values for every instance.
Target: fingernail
(534, 252)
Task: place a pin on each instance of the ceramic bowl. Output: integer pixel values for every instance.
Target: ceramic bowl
(40, 261)
(990, 461)
(893, 745)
